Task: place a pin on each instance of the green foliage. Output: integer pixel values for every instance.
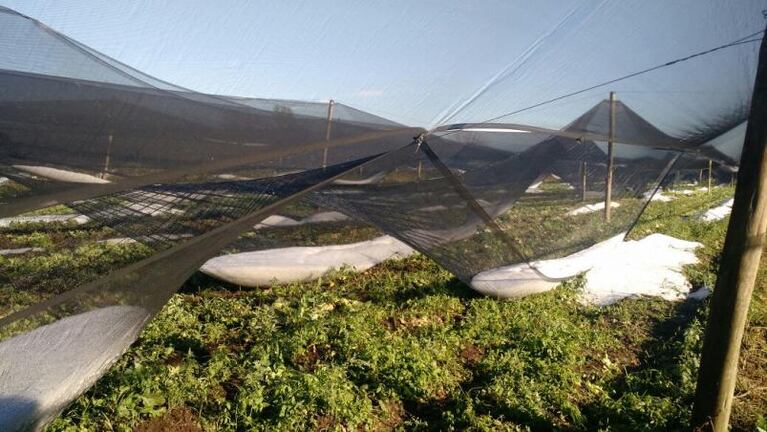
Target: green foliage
(405, 346)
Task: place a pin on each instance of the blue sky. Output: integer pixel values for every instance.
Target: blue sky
(417, 62)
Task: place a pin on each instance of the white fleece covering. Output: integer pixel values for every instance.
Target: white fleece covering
(118, 241)
(325, 217)
(296, 264)
(230, 177)
(690, 191)
(60, 174)
(534, 188)
(41, 370)
(521, 280)
(366, 181)
(719, 212)
(658, 196)
(614, 270)
(69, 218)
(434, 208)
(648, 267)
(153, 209)
(153, 237)
(284, 221)
(276, 221)
(591, 208)
(20, 251)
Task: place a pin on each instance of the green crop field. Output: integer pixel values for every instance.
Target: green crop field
(403, 346)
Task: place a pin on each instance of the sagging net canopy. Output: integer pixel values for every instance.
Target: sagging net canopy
(558, 143)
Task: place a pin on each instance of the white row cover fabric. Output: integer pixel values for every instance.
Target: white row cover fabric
(299, 264)
(614, 270)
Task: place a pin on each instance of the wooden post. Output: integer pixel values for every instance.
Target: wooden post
(584, 167)
(710, 171)
(700, 177)
(610, 145)
(331, 105)
(108, 156)
(738, 268)
(420, 169)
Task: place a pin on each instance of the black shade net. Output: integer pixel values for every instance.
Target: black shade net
(104, 127)
(511, 174)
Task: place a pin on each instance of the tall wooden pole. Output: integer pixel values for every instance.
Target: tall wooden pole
(710, 171)
(610, 145)
(108, 156)
(738, 267)
(584, 167)
(420, 170)
(331, 105)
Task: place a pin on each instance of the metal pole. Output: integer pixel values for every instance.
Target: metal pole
(331, 105)
(610, 145)
(739, 264)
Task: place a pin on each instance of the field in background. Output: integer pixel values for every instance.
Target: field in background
(401, 346)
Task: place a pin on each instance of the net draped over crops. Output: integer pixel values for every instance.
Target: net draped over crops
(589, 106)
